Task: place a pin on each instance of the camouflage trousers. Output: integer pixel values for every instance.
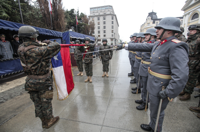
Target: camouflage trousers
(193, 77)
(79, 65)
(105, 66)
(42, 101)
(88, 69)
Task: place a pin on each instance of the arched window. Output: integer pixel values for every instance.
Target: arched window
(195, 16)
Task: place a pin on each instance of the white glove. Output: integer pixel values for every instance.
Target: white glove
(126, 46)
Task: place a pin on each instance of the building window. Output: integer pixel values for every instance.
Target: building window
(98, 32)
(104, 22)
(111, 39)
(99, 39)
(156, 23)
(98, 18)
(98, 23)
(104, 35)
(98, 35)
(112, 35)
(112, 17)
(104, 18)
(112, 22)
(104, 27)
(148, 24)
(104, 31)
(112, 31)
(92, 19)
(98, 27)
(112, 27)
(195, 16)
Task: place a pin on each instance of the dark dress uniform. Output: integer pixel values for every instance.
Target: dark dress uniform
(6, 50)
(168, 69)
(15, 45)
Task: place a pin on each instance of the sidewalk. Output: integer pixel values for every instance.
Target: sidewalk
(106, 105)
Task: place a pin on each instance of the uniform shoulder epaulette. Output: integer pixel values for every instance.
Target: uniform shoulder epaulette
(176, 41)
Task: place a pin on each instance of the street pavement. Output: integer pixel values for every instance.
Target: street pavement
(106, 105)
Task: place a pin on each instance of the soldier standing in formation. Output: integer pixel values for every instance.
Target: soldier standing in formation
(105, 56)
(35, 59)
(168, 71)
(88, 59)
(6, 51)
(180, 35)
(150, 37)
(78, 57)
(132, 58)
(137, 65)
(194, 61)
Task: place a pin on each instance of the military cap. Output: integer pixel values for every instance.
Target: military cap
(2, 35)
(14, 36)
(77, 41)
(194, 27)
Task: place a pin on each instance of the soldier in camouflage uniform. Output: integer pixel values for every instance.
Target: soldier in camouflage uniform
(78, 57)
(88, 59)
(180, 35)
(194, 61)
(35, 59)
(105, 56)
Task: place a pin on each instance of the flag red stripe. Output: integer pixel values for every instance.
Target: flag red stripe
(66, 60)
(67, 45)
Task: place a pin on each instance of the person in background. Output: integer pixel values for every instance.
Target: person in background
(15, 44)
(6, 51)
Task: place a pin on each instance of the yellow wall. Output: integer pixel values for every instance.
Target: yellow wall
(196, 5)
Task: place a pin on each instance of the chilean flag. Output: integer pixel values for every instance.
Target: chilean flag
(61, 64)
(50, 6)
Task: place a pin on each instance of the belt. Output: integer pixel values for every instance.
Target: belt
(39, 77)
(159, 75)
(133, 52)
(139, 58)
(145, 62)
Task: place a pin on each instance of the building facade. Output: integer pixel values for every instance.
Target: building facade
(191, 14)
(106, 24)
(152, 20)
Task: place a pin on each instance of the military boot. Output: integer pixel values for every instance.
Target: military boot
(107, 74)
(198, 115)
(195, 109)
(142, 106)
(130, 74)
(182, 93)
(135, 91)
(88, 78)
(185, 97)
(79, 74)
(134, 88)
(104, 74)
(50, 122)
(139, 101)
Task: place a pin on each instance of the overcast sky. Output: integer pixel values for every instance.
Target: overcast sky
(131, 14)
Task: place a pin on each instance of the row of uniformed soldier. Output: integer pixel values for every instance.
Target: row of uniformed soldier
(105, 56)
(164, 70)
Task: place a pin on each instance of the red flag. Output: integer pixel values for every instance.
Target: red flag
(50, 6)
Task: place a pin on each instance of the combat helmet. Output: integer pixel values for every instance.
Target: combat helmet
(28, 32)
(140, 35)
(182, 29)
(194, 27)
(87, 39)
(151, 31)
(134, 35)
(104, 40)
(131, 36)
(77, 41)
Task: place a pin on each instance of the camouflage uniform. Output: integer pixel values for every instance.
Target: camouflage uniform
(181, 37)
(194, 62)
(88, 59)
(78, 57)
(105, 56)
(36, 63)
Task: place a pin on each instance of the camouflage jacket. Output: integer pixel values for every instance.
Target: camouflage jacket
(105, 55)
(88, 58)
(194, 51)
(181, 37)
(78, 52)
(38, 61)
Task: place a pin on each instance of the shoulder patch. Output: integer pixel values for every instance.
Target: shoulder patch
(176, 41)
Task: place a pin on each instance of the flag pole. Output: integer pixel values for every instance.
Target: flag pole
(51, 20)
(20, 12)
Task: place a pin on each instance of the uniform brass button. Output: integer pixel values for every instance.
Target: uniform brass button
(153, 52)
(150, 57)
(161, 82)
(158, 57)
(156, 48)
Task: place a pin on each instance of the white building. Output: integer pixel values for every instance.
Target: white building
(151, 21)
(191, 14)
(106, 24)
